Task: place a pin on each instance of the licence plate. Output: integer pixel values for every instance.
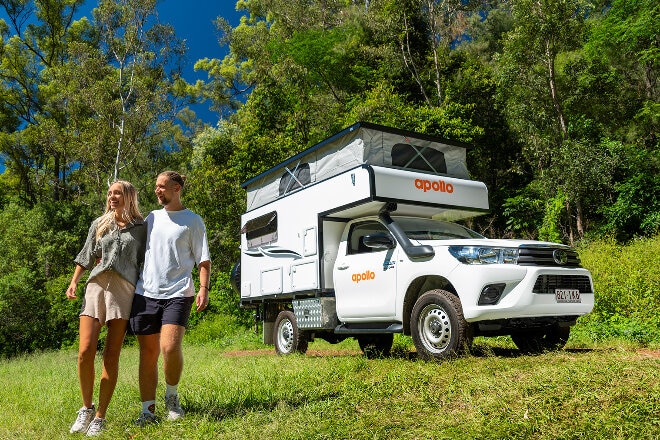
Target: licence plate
(567, 295)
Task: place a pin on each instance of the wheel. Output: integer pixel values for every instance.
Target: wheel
(438, 328)
(376, 346)
(540, 340)
(287, 337)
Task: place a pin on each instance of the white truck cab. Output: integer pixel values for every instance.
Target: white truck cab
(356, 237)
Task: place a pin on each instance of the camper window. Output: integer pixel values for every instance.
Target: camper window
(357, 233)
(261, 230)
(294, 178)
(419, 158)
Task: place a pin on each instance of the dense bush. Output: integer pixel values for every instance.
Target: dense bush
(38, 247)
(627, 287)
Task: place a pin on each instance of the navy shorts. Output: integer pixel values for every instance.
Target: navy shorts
(148, 314)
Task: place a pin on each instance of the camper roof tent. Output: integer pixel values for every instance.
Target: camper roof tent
(357, 145)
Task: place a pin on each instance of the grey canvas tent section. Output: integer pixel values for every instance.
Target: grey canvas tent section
(358, 145)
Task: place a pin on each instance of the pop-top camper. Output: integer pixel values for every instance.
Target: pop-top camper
(356, 237)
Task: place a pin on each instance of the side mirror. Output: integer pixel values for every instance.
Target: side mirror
(379, 240)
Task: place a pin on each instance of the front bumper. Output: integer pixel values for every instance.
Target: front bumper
(528, 292)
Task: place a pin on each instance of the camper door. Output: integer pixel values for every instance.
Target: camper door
(364, 277)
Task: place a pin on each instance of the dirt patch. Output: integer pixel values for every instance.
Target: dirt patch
(642, 352)
(271, 352)
(647, 353)
(243, 353)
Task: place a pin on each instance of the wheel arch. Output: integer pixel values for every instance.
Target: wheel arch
(416, 288)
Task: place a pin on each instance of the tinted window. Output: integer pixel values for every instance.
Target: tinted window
(261, 230)
(429, 229)
(357, 233)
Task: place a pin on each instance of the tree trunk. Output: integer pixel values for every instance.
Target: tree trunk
(571, 237)
(579, 220)
(550, 61)
(56, 178)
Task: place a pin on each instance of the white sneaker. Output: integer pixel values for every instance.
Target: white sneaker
(85, 416)
(174, 410)
(96, 427)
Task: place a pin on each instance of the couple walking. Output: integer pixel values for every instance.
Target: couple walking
(141, 277)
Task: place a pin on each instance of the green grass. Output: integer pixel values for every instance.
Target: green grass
(241, 390)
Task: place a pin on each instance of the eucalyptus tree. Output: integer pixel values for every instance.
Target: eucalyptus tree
(34, 40)
(429, 30)
(86, 101)
(125, 93)
(622, 65)
(535, 97)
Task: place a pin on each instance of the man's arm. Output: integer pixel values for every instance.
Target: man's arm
(202, 300)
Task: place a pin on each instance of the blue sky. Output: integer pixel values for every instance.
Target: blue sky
(193, 21)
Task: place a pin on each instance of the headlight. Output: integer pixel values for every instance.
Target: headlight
(484, 255)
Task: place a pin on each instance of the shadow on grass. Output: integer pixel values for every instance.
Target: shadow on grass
(219, 407)
(484, 351)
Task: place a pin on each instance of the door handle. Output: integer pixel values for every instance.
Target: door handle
(342, 267)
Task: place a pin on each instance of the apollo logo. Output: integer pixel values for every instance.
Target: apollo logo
(435, 185)
(364, 276)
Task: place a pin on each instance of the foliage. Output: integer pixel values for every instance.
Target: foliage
(626, 281)
(549, 230)
(524, 213)
(34, 275)
(636, 209)
(87, 102)
(560, 100)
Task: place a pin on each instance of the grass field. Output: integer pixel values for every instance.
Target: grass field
(244, 391)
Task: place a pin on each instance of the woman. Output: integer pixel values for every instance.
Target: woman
(114, 251)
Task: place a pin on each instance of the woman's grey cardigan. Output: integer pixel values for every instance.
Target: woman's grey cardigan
(121, 250)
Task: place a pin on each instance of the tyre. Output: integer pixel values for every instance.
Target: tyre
(376, 346)
(287, 337)
(438, 328)
(235, 277)
(539, 340)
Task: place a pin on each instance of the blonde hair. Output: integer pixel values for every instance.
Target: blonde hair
(131, 212)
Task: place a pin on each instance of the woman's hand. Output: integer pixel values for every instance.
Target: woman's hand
(73, 286)
(71, 291)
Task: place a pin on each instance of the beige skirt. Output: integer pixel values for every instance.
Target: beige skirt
(108, 296)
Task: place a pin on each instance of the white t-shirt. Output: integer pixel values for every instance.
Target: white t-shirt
(176, 242)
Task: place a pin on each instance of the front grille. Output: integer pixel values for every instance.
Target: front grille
(544, 256)
(548, 283)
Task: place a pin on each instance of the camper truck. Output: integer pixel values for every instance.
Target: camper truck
(357, 237)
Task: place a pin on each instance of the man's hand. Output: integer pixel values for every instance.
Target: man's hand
(202, 299)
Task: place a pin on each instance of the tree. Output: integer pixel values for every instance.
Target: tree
(433, 26)
(622, 92)
(90, 101)
(40, 32)
(531, 87)
(125, 97)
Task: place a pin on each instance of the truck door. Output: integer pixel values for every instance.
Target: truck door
(364, 277)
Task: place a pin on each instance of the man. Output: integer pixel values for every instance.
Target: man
(165, 292)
